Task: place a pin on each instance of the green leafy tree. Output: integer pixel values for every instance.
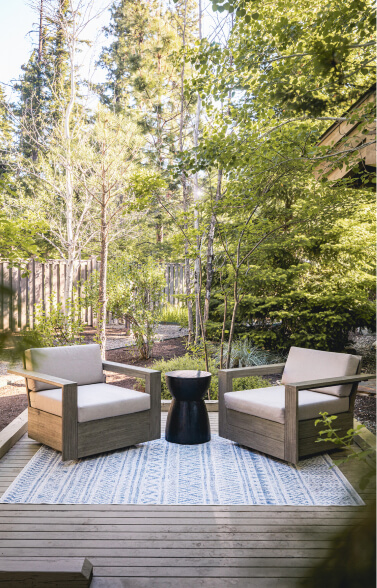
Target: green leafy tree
(300, 57)
(147, 70)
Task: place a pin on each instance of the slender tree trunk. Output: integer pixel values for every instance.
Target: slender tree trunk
(34, 153)
(196, 194)
(187, 266)
(233, 321)
(185, 187)
(40, 40)
(201, 319)
(210, 253)
(102, 297)
(60, 65)
(223, 331)
(68, 286)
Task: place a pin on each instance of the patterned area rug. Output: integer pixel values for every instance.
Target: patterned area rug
(218, 472)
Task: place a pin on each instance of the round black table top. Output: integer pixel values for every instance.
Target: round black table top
(189, 374)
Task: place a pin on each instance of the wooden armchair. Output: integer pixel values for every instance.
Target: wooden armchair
(279, 420)
(73, 410)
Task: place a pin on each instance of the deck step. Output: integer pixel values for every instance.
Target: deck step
(54, 572)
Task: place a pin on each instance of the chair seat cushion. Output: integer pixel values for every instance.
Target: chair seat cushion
(95, 401)
(269, 403)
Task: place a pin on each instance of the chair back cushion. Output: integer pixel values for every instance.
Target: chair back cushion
(79, 363)
(310, 364)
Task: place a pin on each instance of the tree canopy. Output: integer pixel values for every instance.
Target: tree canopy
(203, 148)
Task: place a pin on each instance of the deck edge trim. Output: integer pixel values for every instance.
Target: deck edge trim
(13, 432)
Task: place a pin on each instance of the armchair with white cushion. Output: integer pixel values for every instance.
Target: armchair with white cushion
(73, 410)
(280, 420)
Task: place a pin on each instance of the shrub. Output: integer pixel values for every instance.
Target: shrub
(134, 292)
(188, 362)
(174, 314)
(245, 354)
(53, 327)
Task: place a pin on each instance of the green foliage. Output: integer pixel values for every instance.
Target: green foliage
(17, 235)
(44, 86)
(134, 291)
(174, 314)
(13, 345)
(54, 327)
(190, 362)
(143, 68)
(329, 433)
(245, 354)
(298, 57)
(313, 281)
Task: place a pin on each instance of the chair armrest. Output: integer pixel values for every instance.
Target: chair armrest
(327, 382)
(226, 377)
(39, 377)
(69, 408)
(152, 378)
(130, 370)
(258, 370)
(152, 387)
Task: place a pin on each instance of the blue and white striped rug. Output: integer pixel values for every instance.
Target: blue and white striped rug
(218, 472)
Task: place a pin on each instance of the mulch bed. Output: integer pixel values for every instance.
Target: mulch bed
(365, 411)
(13, 401)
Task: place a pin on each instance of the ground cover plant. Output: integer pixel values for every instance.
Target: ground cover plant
(190, 362)
(174, 314)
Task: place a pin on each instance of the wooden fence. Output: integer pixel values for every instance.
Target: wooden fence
(20, 293)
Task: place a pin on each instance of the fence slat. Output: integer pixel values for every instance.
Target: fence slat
(46, 279)
(23, 302)
(6, 301)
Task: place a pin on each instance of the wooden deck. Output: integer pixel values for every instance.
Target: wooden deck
(170, 546)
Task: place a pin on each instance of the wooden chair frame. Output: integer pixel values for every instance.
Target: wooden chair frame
(289, 441)
(76, 439)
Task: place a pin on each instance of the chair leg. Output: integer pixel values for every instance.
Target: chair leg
(69, 423)
(291, 425)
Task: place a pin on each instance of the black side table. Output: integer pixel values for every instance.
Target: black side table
(188, 422)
